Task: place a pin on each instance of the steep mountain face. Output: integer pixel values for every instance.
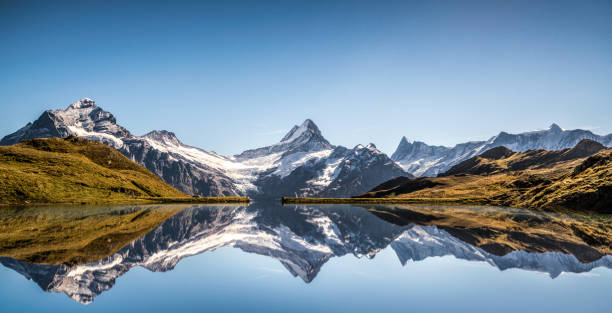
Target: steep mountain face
(359, 169)
(332, 172)
(301, 239)
(189, 169)
(302, 163)
(421, 159)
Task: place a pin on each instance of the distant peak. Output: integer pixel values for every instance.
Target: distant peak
(308, 126)
(163, 136)
(163, 133)
(83, 103)
(405, 142)
(554, 127)
(309, 123)
(369, 146)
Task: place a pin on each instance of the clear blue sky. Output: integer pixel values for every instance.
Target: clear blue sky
(227, 77)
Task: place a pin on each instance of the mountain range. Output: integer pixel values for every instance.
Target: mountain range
(303, 163)
(421, 159)
(577, 178)
(301, 238)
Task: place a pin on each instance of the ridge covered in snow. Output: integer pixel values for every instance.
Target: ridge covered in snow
(302, 163)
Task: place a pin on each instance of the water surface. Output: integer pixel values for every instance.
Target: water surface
(269, 258)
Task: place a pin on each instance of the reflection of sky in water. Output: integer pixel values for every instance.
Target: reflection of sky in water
(231, 280)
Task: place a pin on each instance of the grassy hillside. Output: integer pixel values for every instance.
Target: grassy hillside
(75, 170)
(75, 235)
(578, 178)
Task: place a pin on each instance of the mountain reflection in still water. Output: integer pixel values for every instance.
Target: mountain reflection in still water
(302, 238)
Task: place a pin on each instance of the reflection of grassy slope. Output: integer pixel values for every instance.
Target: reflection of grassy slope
(584, 184)
(74, 170)
(75, 235)
(499, 231)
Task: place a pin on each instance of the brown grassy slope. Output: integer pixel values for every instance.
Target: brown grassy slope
(75, 235)
(535, 179)
(74, 170)
(501, 159)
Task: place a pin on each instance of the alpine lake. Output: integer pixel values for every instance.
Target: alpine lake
(265, 257)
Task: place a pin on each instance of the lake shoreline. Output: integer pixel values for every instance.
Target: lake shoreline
(312, 200)
(193, 200)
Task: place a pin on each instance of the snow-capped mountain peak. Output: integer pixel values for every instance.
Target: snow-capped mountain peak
(82, 118)
(304, 138)
(306, 133)
(555, 128)
(163, 136)
(82, 104)
(308, 128)
(304, 163)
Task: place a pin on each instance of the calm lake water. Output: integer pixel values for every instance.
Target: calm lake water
(269, 258)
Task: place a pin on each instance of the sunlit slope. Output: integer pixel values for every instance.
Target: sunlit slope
(74, 170)
(577, 178)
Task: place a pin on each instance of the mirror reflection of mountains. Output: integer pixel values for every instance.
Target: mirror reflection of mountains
(301, 238)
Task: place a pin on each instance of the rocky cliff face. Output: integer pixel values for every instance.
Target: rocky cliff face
(191, 170)
(332, 173)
